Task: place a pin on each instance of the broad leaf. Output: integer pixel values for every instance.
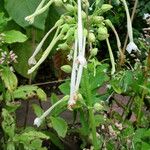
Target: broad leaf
(9, 78)
(37, 110)
(13, 36)
(8, 123)
(59, 125)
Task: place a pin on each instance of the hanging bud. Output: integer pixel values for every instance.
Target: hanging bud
(105, 7)
(91, 37)
(58, 3)
(70, 8)
(66, 68)
(94, 51)
(102, 33)
(64, 46)
(96, 19)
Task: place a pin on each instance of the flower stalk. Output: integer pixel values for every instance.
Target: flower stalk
(111, 57)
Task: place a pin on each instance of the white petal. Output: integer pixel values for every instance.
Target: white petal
(37, 121)
(131, 46)
(30, 19)
(31, 61)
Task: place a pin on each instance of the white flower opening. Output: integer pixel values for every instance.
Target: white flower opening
(131, 46)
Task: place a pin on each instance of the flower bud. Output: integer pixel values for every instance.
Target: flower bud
(102, 33)
(70, 8)
(66, 68)
(63, 46)
(91, 37)
(65, 28)
(98, 107)
(59, 22)
(96, 19)
(105, 7)
(94, 51)
(58, 3)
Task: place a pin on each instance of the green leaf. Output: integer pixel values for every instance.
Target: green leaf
(19, 9)
(9, 78)
(13, 36)
(59, 125)
(29, 136)
(27, 91)
(3, 21)
(54, 98)
(145, 146)
(65, 88)
(55, 140)
(41, 94)
(37, 110)
(8, 123)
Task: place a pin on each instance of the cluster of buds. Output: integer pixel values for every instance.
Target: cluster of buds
(7, 58)
(2, 35)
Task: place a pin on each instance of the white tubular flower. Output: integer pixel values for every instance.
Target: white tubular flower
(37, 121)
(131, 46)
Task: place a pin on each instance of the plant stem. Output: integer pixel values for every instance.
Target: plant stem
(91, 113)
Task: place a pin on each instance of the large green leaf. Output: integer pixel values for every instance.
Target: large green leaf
(13, 36)
(26, 92)
(9, 78)
(59, 125)
(19, 9)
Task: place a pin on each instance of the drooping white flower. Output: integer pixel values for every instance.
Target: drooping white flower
(131, 47)
(37, 121)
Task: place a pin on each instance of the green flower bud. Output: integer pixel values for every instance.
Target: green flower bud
(59, 22)
(84, 16)
(105, 7)
(91, 37)
(70, 8)
(69, 33)
(64, 46)
(102, 33)
(69, 20)
(108, 22)
(98, 107)
(65, 28)
(94, 51)
(96, 19)
(66, 68)
(58, 3)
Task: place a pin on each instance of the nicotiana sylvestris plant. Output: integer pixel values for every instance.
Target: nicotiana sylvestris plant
(72, 30)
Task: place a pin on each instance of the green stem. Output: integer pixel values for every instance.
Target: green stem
(91, 113)
(111, 56)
